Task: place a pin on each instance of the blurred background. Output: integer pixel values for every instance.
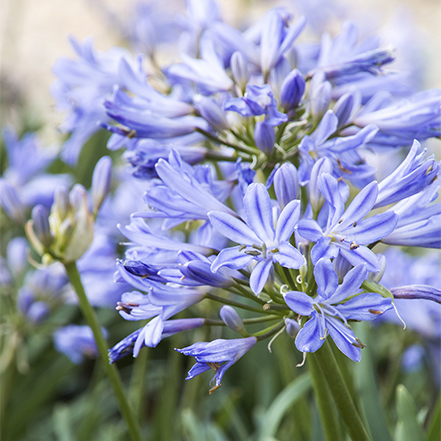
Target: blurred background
(35, 33)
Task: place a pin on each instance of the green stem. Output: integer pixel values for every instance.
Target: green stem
(233, 303)
(237, 147)
(340, 392)
(110, 369)
(324, 401)
(137, 383)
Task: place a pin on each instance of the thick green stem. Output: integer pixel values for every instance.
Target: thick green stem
(110, 369)
(324, 400)
(340, 392)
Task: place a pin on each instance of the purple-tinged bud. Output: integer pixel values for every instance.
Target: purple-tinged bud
(10, 202)
(286, 184)
(346, 106)
(17, 257)
(232, 319)
(37, 312)
(101, 180)
(239, 69)
(292, 327)
(323, 165)
(42, 230)
(264, 137)
(212, 112)
(425, 292)
(292, 90)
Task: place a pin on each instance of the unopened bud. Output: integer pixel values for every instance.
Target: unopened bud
(286, 184)
(101, 179)
(212, 113)
(264, 137)
(232, 319)
(292, 327)
(292, 90)
(239, 69)
(41, 226)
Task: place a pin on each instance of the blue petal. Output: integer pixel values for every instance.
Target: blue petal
(365, 307)
(361, 255)
(259, 276)
(375, 228)
(326, 127)
(309, 229)
(360, 206)
(288, 256)
(299, 302)
(233, 228)
(287, 221)
(323, 249)
(351, 283)
(232, 258)
(343, 338)
(308, 339)
(258, 211)
(329, 187)
(326, 278)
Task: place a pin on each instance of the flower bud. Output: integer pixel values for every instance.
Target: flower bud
(41, 226)
(292, 90)
(323, 165)
(345, 107)
(61, 202)
(264, 137)
(286, 184)
(212, 113)
(232, 319)
(101, 179)
(292, 327)
(239, 69)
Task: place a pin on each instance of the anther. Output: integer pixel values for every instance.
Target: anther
(354, 224)
(252, 253)
(354, 246)
(376, 312)
(242, 247)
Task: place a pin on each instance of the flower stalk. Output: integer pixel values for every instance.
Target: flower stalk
(110, 369)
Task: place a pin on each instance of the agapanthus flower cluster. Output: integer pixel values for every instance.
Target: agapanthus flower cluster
(259, 194)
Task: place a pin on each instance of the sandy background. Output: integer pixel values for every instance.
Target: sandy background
(33, 34)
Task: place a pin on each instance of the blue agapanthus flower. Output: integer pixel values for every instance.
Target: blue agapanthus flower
(333, 306)
(257, 238)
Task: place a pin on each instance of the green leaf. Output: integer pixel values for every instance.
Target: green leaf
(274, 415)
(407, 428)
(434, 432)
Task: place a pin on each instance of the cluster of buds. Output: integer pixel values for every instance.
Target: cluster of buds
(67, 232)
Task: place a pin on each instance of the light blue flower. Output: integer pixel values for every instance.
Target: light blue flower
(257, 239)
(330, 310)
